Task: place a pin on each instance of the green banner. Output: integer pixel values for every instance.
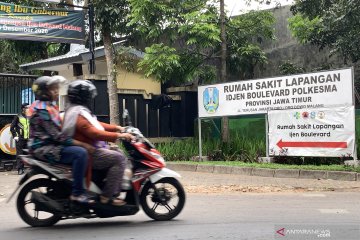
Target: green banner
(41, 24)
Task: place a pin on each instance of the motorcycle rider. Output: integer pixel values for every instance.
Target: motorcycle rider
(48, 143)
(20, 131)
(81, 124)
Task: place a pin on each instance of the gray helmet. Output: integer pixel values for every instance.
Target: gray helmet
(41, 86)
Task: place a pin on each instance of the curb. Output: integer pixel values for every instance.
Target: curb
(266, 172)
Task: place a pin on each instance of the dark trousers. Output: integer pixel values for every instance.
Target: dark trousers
(21, 144)
(77, 157)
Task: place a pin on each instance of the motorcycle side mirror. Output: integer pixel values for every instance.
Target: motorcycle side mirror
(125, 113)
(126, 118)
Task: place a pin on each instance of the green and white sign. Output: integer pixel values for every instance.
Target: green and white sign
(41, 24)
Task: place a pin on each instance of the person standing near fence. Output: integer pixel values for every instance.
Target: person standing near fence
(20, 131)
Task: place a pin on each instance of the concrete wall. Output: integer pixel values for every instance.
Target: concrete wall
(137, 81)
(286, 48)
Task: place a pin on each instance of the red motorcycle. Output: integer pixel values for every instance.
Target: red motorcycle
(45, 189)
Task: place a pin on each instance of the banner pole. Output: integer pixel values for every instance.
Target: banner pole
(200, 142)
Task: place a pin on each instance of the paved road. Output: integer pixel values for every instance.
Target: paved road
(209, 214)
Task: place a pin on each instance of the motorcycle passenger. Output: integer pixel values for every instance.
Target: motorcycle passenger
(20, 131)
(80, 123)
(48, 143)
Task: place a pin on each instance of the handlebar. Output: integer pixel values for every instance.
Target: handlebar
(138, 135)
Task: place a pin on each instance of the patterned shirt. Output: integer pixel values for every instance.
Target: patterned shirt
(46, 139)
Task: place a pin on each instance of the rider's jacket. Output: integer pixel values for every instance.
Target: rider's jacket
(46, 138)
(86, 132)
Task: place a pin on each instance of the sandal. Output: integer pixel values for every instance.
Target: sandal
(112, 201)
(82, 199)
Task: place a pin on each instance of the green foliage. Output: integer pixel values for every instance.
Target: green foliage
(245, 32)
(8, 62)
(184, 32)
(331, 23)
(304, 29)
(186, 37)
(111, 16)
(159, 61)
(288, 68)
(238, 148)
(247, 143)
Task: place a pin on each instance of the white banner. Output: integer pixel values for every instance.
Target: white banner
(312, 90)
(327, 132)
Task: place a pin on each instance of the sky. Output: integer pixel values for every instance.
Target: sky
(235, 7)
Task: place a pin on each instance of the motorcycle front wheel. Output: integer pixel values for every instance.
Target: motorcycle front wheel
(27, 208)
(163, 200)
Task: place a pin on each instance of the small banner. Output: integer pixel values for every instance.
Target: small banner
(41, 24)
(7, 143)
(327, 132)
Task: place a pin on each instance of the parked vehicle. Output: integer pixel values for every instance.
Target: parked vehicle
(45, 189)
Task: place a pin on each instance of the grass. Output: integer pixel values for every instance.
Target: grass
(240, 147)
(277, 166)
(243, 151)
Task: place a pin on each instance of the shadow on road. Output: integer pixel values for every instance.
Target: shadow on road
(98, 225)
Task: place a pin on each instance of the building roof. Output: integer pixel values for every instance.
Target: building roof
(77, 55)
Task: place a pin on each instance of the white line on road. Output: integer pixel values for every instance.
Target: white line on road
(314, 195)
(334, 211)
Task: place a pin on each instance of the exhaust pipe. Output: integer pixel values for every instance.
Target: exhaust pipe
(45, 204)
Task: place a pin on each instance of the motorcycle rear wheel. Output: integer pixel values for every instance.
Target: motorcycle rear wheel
(22, 202)
(159, 204)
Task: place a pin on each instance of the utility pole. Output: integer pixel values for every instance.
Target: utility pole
(91, 38)
(224, 120)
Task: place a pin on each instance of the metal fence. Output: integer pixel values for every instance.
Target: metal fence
(15, 90)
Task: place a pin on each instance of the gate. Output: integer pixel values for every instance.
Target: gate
(15, 89)
(175, 120)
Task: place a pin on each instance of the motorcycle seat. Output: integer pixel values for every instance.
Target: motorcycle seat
(58, 167)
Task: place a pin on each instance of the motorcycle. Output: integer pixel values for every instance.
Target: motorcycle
(45, 189)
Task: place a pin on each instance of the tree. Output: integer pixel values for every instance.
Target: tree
(328, 23)
(111, 20)
(245, 34)
(186, 39)
(184, 33)
(190, 37)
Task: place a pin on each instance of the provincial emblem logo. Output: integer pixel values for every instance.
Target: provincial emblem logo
(211, 99)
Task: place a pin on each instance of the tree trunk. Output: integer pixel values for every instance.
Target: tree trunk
(224, 120)
(111, 78)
